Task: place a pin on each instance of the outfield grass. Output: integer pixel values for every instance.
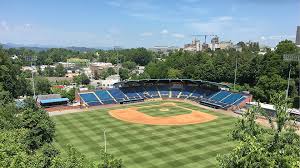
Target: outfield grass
(147, 145)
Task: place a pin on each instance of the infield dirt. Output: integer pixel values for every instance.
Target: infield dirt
(133, 115)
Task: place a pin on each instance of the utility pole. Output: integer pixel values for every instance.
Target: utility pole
(31, 59)
(33, 87)
(235, 72)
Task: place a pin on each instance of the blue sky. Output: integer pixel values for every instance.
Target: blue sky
(145, 23)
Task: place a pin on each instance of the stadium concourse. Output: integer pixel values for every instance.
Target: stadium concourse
(207, 93)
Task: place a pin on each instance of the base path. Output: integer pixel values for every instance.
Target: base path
(134, 116)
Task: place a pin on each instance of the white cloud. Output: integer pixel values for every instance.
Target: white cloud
(224, 18)
(277, 37)
(281, 37)
(146, 34)
(178, 35)
(4, 25)
(27, 26)
(214, 25)
(114, 3)
(165, 31)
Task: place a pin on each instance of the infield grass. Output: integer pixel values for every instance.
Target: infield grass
(146, 146)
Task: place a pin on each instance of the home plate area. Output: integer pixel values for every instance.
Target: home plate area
(162, 114)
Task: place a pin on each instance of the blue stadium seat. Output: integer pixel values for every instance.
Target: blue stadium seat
(232, 98)
(239, 101)
(186, 91)
(152, 90)
(164, 90)
(118, 94)
(175, 92)
(198, 93)
(130, 93)
(140, 90)
(220, 95)
(103, 95)
(90, 99)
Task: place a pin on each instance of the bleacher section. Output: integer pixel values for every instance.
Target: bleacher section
(186, 91)
(164, 90)
(90, 99)
(223, 99)
(214, 97)
(141, 91)
(118, 95)
(131, 94)
(175, 92)
(104, 96)
(152, 91)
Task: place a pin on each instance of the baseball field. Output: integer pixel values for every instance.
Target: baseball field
(152, 134)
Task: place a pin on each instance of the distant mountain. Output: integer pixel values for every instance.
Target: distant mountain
(81, 49)
(37, 47)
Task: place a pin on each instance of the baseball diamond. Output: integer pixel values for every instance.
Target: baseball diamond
(143, 145)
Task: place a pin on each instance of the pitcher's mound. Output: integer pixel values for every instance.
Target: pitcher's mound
(134, 116)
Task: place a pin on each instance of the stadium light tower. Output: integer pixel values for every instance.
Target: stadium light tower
(31, 59)
(292, 58)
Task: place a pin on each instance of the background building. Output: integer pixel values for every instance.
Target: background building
(194, 46)
(98, 68)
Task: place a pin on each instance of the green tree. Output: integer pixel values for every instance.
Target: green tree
(42, 85)
(107, 160)
(60, 70)
(267, 86)
(262, 147)
(9, 117)
(286, 47)
(111, 71)
(129, 65)
(174, 73)
(157, 70)
(82, 79)
(49, 71)
(124, 73)
(72, 159)
(13, 151)
(70, 94)
(10, 76)
(40, 126)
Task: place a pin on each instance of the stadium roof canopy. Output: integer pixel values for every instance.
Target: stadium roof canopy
(170, 80)
(55, 100)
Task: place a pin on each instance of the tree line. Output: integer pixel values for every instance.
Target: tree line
(27, 132)
(262, 75)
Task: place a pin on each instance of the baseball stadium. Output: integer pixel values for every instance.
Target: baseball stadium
(154, 123)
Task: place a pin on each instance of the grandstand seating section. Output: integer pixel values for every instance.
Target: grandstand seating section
(90, 99)
(175, 92)
(152, 91)
(118, 95)
(216, 99)
(104, 96)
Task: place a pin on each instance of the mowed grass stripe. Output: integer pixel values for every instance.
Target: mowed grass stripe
(145, 145)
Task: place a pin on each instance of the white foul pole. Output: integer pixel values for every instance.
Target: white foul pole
(104, 134)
